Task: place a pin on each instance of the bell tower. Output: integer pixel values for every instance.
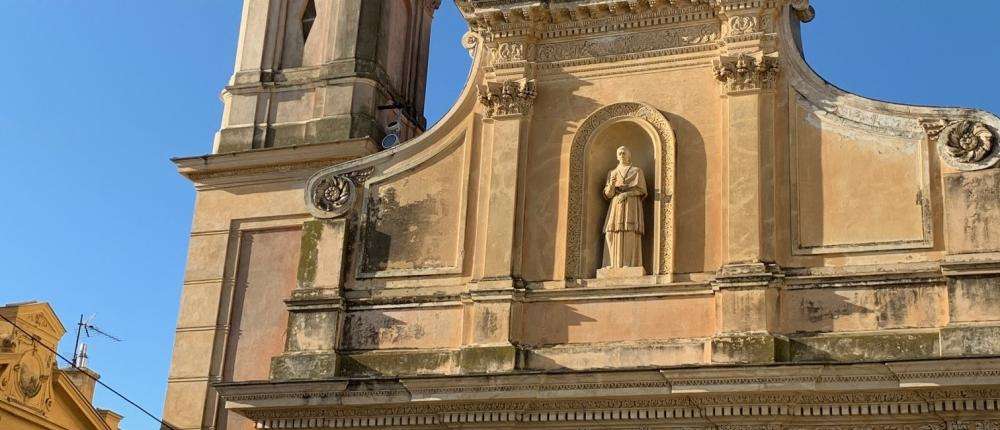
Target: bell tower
(318, 71)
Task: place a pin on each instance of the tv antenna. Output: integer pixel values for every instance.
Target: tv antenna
(86, 327)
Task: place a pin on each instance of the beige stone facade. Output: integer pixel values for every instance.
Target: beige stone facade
(810, 258)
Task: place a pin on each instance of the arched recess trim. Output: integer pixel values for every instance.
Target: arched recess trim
(664, 143)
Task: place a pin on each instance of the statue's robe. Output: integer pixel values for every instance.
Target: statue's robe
(624, 227)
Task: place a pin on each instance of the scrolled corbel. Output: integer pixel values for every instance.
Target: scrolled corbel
(803, 10)
(471, 41)
(963, 144)
(331, 195)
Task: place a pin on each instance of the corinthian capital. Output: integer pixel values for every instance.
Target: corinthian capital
(507, 98)
(745, 73)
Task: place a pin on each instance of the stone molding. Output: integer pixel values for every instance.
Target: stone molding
(799, 397)
(664, 144)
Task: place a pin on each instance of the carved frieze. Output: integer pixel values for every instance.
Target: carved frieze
(507, 98)
(963, 144)
(744, 24)
(747, 73)
(508, 53)
(332, 196)
(628, 43)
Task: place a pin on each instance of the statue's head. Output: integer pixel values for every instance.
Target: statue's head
(624, 155)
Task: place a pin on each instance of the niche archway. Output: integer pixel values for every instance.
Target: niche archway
(651, 139)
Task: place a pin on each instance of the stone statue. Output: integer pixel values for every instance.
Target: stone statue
(623, 229)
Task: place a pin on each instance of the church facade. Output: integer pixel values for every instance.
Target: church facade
(637, 215)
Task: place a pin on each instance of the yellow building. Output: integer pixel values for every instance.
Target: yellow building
(35, 393)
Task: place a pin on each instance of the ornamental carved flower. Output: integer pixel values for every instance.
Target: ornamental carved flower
(333, 194)
(968, 141)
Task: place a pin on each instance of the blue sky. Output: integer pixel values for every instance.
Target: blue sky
(99, 94)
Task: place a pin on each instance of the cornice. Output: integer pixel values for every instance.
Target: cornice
(811, 382)
(748, 395)
(561, 18)
(239, 168)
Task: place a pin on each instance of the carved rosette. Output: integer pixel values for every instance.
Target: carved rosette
(334, 195)
(963, 144)
(745, 73)
(508, 98)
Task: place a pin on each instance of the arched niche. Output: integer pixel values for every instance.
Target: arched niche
(648, 134)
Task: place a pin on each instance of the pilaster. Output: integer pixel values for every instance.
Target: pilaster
(316, 308)
(747, 293)
(507, 98)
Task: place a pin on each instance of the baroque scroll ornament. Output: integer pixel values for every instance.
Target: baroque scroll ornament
(963, 144)
(331, 196)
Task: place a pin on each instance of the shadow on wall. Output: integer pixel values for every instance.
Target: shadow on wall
(550, 324)
(558, 112)
(553, 329)
(821, 310)
(691, 197)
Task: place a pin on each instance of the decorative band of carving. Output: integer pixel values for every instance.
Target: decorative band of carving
(963, 144)
(755, 411)
(746, 73)
(507, 98)
(334, 195)
(578, 156)
(614, 47)
(509, 54)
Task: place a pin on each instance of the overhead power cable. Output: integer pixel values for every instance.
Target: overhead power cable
(89, 375)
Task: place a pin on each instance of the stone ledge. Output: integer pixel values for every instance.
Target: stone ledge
(616, 355)
(970, 340)
(756, 348)
(225, 166)
(855, 347)
(801, 394)
(304, 366)
(396, 363)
